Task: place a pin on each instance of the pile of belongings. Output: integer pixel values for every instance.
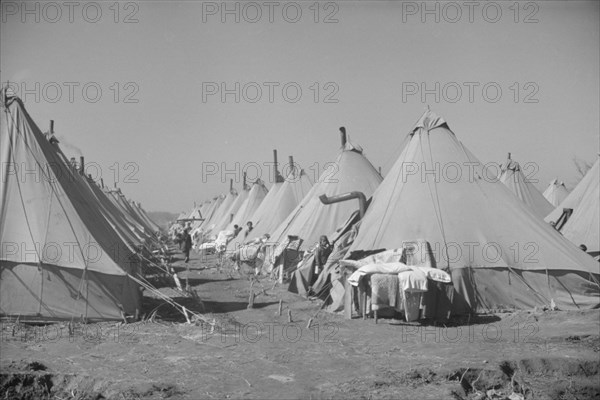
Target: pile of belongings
(252, 253)
(219, 245)
(390, 283)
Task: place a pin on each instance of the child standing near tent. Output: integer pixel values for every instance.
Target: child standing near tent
(322, 253)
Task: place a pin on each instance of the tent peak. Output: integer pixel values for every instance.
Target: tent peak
(428, 121)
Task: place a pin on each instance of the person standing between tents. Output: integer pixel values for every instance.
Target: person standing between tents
(322, 253)
(187, 244)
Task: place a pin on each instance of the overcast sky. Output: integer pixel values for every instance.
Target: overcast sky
(161, 122)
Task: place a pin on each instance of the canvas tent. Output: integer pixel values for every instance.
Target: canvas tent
(256, 195)
(575, 196)
(137, 207)
(584, 223)
(350, 172)
(60, 257)
(498, 252)
(282, 198)
(556, 192)
(219, 211)
(514, 179)
(227, 216)
(290, 194)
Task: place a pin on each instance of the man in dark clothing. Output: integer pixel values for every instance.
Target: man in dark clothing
(322, 253)
(187, 244)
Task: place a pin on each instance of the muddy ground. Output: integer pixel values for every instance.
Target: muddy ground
(257, 354)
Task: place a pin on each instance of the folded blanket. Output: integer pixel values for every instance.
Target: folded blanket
(435, 274)
(384, 291)
(413, 281)
(383, 268)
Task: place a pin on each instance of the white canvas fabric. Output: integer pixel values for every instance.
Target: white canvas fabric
(498, 252)
(256, 195)
(514, 179)
(311, 218)
(556, 192)
(286, 199)
(584, 224)
(61, 257)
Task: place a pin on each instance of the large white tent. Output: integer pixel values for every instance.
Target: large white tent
(498, 252)
(583, 225)
(61, 258)
(350, 172)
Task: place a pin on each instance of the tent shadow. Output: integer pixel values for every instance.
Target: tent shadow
(166, 312)
(220, 307)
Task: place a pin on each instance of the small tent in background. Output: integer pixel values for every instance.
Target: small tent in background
(61, 259)
(499, 254)
(295, 188)
(220, 210)
(144, 216)
(581, 225)
(256, 195)
(574, 197)
(556, 192)
(116, 218)
(227, 216)
(208, 210)
(268, 205)
(351, 172)
(277, 205)
(514, 179)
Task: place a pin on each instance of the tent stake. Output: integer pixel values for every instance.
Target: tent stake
(251, 300)
(186, 315)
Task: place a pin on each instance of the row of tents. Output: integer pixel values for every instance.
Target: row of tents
(488, 234)
(71, 249)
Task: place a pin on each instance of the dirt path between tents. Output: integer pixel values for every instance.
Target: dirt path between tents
(256, 353)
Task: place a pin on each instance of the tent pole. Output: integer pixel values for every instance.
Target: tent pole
(275, 172)
(343, 136)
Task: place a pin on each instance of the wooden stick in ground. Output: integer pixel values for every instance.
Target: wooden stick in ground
(309, 323)
(177, 282)
(251, 300)
(186, 315)
(187, 279)
(289, 316)
(280, 304)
